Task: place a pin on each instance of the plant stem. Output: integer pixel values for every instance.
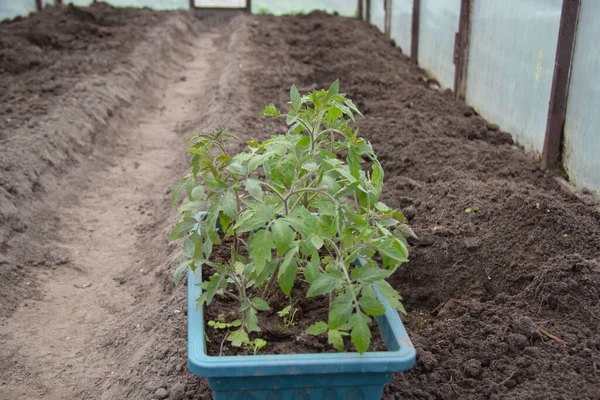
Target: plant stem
(272, 189)
(266, 291)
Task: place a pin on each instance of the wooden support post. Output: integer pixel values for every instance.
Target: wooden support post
(192, 4)
(360, 10)
(461, 49)
(368, 11)
(387, 4)
(38, 5)
(249, 6)
(414, 42)
(551, 155)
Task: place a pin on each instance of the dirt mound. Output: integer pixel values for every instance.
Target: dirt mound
(44, 55)
(38, 147)
(481, 285)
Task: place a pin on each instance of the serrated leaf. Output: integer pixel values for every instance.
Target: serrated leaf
(341, 309)
(181, 268)
(391, 295)
(197, 193)
(361, 334)
(177, 192)
(266, 272)
(270, 111)
(324, 284)
(181, 229)
(189, 248)
(229, 204)
(237, 338)
(304, 141)
(260, 249)
(253, 188)
(295, 97)
(388, 248)
(334, 89)
(288, 271)
(370, 274)
(283, 235)
(260, 304)
(372, 306)
(335, 338)
(311, 271)
(317, 328)
(251, 321)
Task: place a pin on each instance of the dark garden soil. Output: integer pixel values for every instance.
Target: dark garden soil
(282, 337)
(503, 302)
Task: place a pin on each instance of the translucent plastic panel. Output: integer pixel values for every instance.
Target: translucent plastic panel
(402, 24)
(511, 63)
(378, 14)
(80, 3)
(582, 124)
(437, 26)
(11, 9)
(280, 7)
(221, 3)
(155, 4)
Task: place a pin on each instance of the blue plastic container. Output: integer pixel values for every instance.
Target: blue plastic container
(331, 376)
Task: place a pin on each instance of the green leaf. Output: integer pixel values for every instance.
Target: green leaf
(288, 271)
(391, 295)
(270, 111)
(324, 284)
(189, 248)
(260, 304)
(260, 249)
(334, 89)
(468, 211)
(295, 97)
(252, 321)
(340, 311)
(259, 344)
(182, 229)
(266, 272)
(372, 306)
(304, 141)
(197, 193)
(237, 338)
(361, 334)
(229, 204)
(181, 268)
(335, 338)
(283, 235)
(257, 216)
(177, 192)
(317, 328)
(311, 271)
(369, 274)
(388, 248)
(253, 188)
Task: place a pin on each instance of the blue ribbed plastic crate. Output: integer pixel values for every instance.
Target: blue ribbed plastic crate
(331, 376)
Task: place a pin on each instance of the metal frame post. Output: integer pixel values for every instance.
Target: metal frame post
(414, 42)
(387, 5)
(551, 154)
(461, 49)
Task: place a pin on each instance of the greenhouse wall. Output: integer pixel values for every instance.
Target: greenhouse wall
(511, 63)
(378, 14)
(401, 27)
(581, 147)
(437, 26)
